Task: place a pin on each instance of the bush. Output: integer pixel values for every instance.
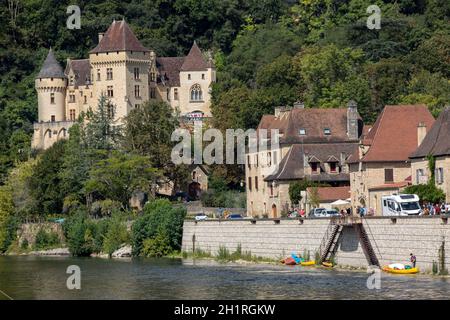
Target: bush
(24, 245)
(427, 192)
(159, 217)
(158, 246)
(80, 235)
(116, 234)
(8, 233)
(223, 199)
(46, 240)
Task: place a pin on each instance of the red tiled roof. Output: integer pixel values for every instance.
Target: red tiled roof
(313, 121)
(394, 185)
(394, 135)
(331, 194)
(194, 60)
(119, 37)
(169, 70)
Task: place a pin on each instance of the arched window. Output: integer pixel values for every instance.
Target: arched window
(196, 93)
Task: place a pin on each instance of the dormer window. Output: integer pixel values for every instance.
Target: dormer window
(302, 132)
(327, 131)
(333, 167)
(315, 167)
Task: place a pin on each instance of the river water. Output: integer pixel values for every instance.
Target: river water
(45, 278)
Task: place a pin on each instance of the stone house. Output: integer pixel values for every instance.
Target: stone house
(314, 144)
(381, 166)
(128, 74)
(437, 144)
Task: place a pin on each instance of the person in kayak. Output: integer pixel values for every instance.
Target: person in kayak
(413, 260)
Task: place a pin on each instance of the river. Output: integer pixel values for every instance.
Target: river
(45, 278)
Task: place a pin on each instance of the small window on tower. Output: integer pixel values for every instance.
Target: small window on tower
(152, 93)
(53, 118)
(189, 76)
(203, 76)
(137, 91)
(109, 74)
(175, 94)
(98, 75)
(52, 98)
(137, 75)
(110, 91)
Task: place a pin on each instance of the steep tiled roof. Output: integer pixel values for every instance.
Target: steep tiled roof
(331, 194)
(313, 121)
(169, 70)
(394, 135)
(51, 68)
(194, 61)
(291, 166)
(119, 37)
(81, 69)
(437, 141)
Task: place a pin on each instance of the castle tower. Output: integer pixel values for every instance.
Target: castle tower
(51, 85)
(120, 69)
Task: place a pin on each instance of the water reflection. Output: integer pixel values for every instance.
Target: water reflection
(45, 278)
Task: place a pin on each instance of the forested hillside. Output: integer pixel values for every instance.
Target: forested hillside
(268, 53)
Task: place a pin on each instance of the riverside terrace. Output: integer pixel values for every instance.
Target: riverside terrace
(359, 242)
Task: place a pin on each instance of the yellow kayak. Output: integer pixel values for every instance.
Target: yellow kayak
(308, 263)
(400, 271)
(327, 264)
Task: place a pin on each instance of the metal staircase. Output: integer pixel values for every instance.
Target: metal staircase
(366, 245)
(329, 244)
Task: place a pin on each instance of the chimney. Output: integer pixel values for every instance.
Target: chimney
(100, 36)
(421, 133)
(352, 120)
(299, 105)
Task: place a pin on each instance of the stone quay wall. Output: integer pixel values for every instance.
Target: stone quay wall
(392, 239)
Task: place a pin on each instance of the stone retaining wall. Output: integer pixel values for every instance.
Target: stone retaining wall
(392, 242)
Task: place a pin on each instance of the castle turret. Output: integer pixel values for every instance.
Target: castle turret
(51, 84)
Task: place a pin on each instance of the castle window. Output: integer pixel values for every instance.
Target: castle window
(175, 94)
(137, 91)
(136, 74)
(85, 99)
(72, 98)
(388, 175)
(137, 106)
(72, 114)
(203, 76)
(98, 75)
(196, 93)
(109, 74)
(168, 94)
(152, 77)
(152, 93)
(110, 91)
(52, 98)
(256, 183)
(53, 119)
(302, 132)
(189, 76)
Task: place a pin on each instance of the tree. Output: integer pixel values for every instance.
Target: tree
(45, 182)
(427, 192)
(118, 176)
(100, 131)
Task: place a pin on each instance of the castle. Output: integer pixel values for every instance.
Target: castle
(128, 74)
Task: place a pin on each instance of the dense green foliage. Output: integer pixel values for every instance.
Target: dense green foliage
(296, 187)
(427, 193)
(160, 222)
(46, 240)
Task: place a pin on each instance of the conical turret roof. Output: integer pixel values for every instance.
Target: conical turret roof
(194, 60)
(51, 68)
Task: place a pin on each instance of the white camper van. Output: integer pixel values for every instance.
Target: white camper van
(401, 205)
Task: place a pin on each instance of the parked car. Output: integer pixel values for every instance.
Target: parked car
(200, 217)
(317, 213)
(235, 216)
(332, 213)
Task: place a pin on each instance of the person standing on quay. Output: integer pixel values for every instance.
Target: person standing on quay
(413, 260)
